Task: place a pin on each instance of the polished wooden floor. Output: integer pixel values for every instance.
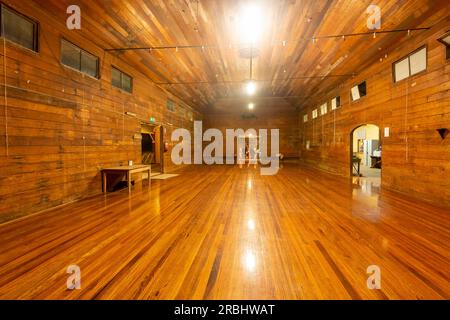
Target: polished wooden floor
(225, 232)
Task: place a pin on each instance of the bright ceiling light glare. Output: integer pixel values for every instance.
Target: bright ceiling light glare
(251, 106)
(250, 24)
(250, 88)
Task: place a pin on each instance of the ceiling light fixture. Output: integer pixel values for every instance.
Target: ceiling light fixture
(250, 24)
(250, 88)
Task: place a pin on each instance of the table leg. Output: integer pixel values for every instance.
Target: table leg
(129, 181)
(104, 182)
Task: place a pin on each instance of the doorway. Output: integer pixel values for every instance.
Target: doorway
(151, 147)
(365, 151)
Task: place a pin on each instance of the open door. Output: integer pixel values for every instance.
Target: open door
(365, 151)
(151, 145)
(159, 151)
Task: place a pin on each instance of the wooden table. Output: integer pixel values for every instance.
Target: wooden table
(127, 171)
(356, 162)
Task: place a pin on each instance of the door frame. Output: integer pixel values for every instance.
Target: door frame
(158, 130)
(351, 146)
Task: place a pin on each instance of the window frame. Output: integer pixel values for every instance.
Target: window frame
(447, 45)
(338, 102)
(121, 88)
(36, 29)
(170, 105)
(408, 56)
(97, 77)
(325, 104)
(360, 96)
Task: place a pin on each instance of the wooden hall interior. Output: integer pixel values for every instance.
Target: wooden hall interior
(110, 107)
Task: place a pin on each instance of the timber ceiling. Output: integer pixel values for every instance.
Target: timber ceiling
(205, 76)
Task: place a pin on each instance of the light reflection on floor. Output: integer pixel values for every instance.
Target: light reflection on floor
(366, 196)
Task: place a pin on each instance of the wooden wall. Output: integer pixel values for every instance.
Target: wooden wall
(416, 161)
(62, 127)
(268, 114)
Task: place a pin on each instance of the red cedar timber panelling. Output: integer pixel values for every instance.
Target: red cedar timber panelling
(285, 121)
(63, 126)
(416, 161)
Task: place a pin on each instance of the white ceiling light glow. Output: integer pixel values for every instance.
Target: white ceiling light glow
(250, 24)
(250, 88)
(251, 106)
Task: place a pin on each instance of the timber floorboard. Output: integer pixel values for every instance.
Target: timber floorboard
(224, 232)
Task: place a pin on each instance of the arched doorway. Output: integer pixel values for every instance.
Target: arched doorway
(366, 151)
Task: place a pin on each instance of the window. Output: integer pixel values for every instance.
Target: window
(170, 105)
(305, 118)
(78, 59)
(323, 109)
(414, 63)
(314, 114)
(335, 103)
(121, 80)
(418, 61)
(359, 91)
(19, 29)
(445, 39)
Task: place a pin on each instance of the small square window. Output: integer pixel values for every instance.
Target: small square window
(418, 61)
(116, 79)
(89, 64)
(359, 91)
(314, 114)
(78, 59)
(445, 40)
(70, 55)
(126, 82)
(335, 103)
(19, 29)
(305, 118)
(414, 63)
(323, 109)
(170, 105)
(121, 80)
(401, 69)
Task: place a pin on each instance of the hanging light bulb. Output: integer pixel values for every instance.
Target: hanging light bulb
(250, 88)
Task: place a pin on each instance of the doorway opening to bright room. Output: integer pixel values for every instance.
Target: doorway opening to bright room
(365, 151)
